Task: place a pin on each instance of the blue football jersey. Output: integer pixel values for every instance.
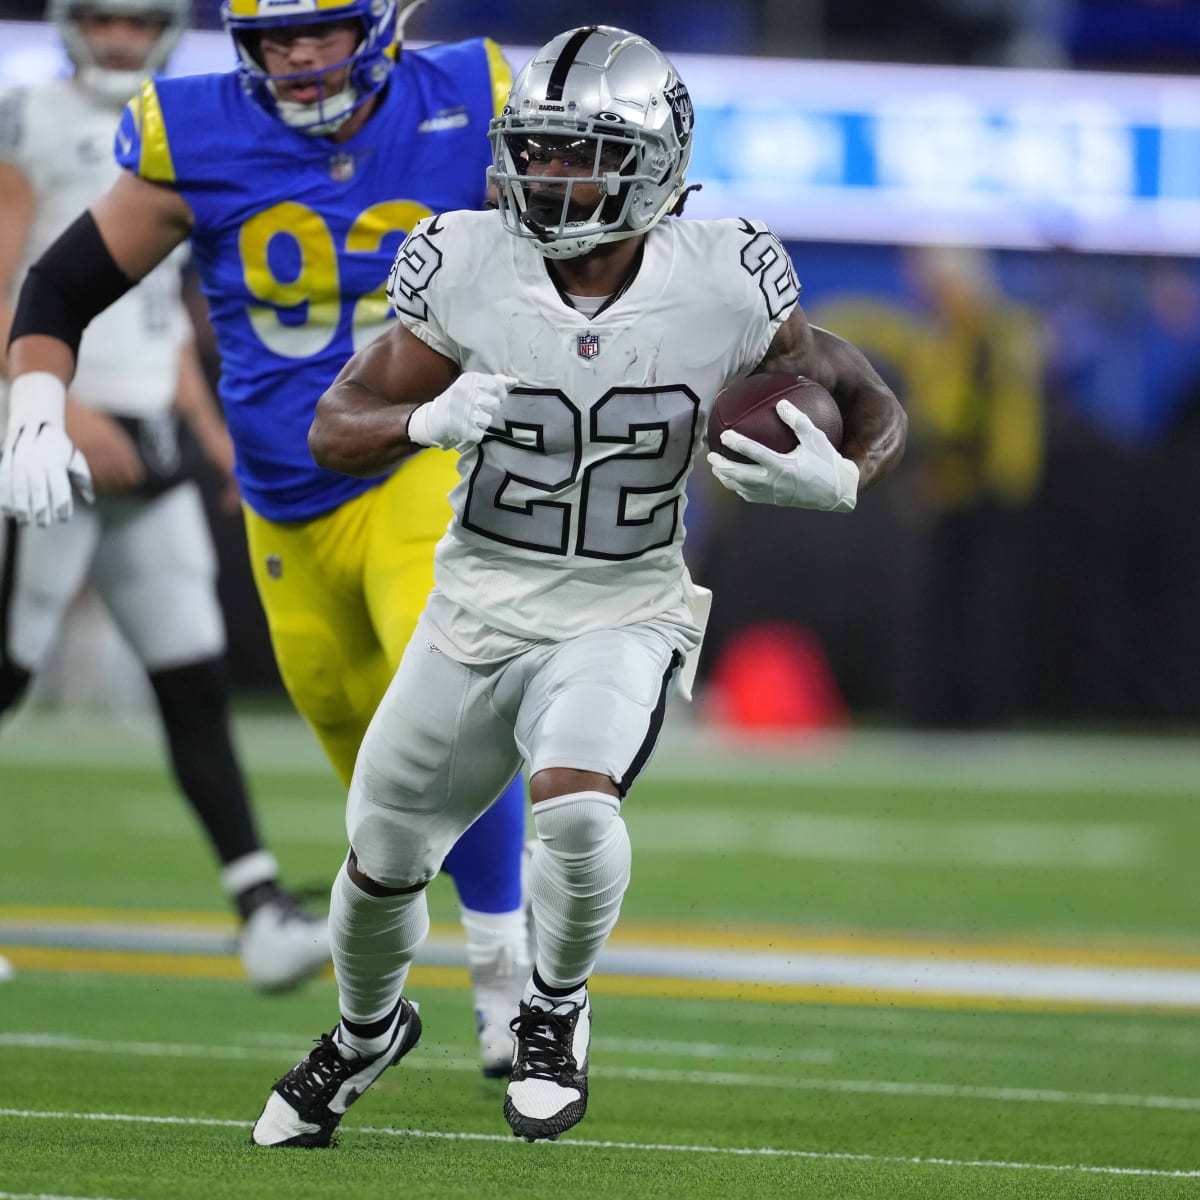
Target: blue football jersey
(295, 235)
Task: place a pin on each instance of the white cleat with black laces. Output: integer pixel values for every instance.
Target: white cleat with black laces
(305, 1106)
(548, 1087)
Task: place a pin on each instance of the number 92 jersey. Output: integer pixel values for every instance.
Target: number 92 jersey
(569, 514)
(294, 235)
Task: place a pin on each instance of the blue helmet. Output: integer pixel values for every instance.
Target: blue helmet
(370, 64)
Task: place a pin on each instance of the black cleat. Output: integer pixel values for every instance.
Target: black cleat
(305, 1106)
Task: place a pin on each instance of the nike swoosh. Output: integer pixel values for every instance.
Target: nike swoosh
(125, 143)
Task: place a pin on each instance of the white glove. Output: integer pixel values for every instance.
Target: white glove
(460, 416)
(38, 465)
(813, 475)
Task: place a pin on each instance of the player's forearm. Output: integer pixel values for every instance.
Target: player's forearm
(875, 427)
(39, 352)
(358, 432)
(875, 432)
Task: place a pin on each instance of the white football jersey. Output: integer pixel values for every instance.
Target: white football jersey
(60, 138)
(569, 514)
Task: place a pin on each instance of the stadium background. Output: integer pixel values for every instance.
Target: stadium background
(999, 199)
(1030, 562)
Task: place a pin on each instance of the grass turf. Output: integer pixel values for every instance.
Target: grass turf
(860, 1091)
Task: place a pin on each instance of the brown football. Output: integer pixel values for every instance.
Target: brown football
(748, 406)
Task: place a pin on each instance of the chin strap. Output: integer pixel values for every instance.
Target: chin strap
(539, 231)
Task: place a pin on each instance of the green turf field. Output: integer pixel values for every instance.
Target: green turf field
(129, 1085)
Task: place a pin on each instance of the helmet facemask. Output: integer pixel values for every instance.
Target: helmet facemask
(614, 132)
(365, 70)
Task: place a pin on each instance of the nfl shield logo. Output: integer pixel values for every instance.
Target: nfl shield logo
(589, 345)
(341, 167)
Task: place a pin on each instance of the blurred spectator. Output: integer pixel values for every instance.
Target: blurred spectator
(967, 363)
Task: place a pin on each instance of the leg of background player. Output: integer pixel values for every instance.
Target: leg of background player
(156, 571)
(280, 943)
(493, 914)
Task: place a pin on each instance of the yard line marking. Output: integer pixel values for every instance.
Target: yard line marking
(62, 921)
(882, 1087)
(653, 1147)
(45, 1196)
(827, 837)
(973, 764)
(832, 977)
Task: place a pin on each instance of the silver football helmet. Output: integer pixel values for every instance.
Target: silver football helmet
(116, 87)
(604, 102)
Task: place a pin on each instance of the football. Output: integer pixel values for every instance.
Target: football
(748, 407)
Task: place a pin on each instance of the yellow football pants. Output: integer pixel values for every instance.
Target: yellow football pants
(342, 594)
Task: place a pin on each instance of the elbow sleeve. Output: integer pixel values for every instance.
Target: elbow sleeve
(73, 282)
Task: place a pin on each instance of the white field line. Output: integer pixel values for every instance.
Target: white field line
(1024, 1028)
(644, 1147)
(880, 1087)
(795, 836)
(1148, 987)
(45, 1196)
(905, 1045)
(991, 762)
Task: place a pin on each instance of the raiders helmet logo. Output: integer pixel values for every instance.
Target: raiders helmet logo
(681, 109)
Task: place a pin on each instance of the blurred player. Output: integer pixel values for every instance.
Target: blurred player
(568, 347)
(296, 177)
(146, 545)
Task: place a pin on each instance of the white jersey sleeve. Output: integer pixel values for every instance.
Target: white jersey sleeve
(411, 289)
(569, 515)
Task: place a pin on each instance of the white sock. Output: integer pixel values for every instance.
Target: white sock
(577, 879)
(491, 936)
(248, 871)
(373, 939)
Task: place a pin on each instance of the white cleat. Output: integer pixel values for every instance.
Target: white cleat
(498, 987)
(6, 969)
(548, 1088)
(306, 1105)
(281, 944)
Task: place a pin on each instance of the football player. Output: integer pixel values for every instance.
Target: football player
(146, 545)
(568, 347)
(296, 176)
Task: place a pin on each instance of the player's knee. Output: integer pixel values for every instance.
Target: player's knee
(579, 823)
(393, 851)
(14, 682)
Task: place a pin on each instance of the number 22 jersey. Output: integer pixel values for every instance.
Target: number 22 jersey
(569, 514)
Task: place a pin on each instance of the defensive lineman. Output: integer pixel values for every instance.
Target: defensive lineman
(145, 546)
(569, 347)
(295, 177)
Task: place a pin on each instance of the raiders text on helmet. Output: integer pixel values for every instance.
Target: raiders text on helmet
(602, 98)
